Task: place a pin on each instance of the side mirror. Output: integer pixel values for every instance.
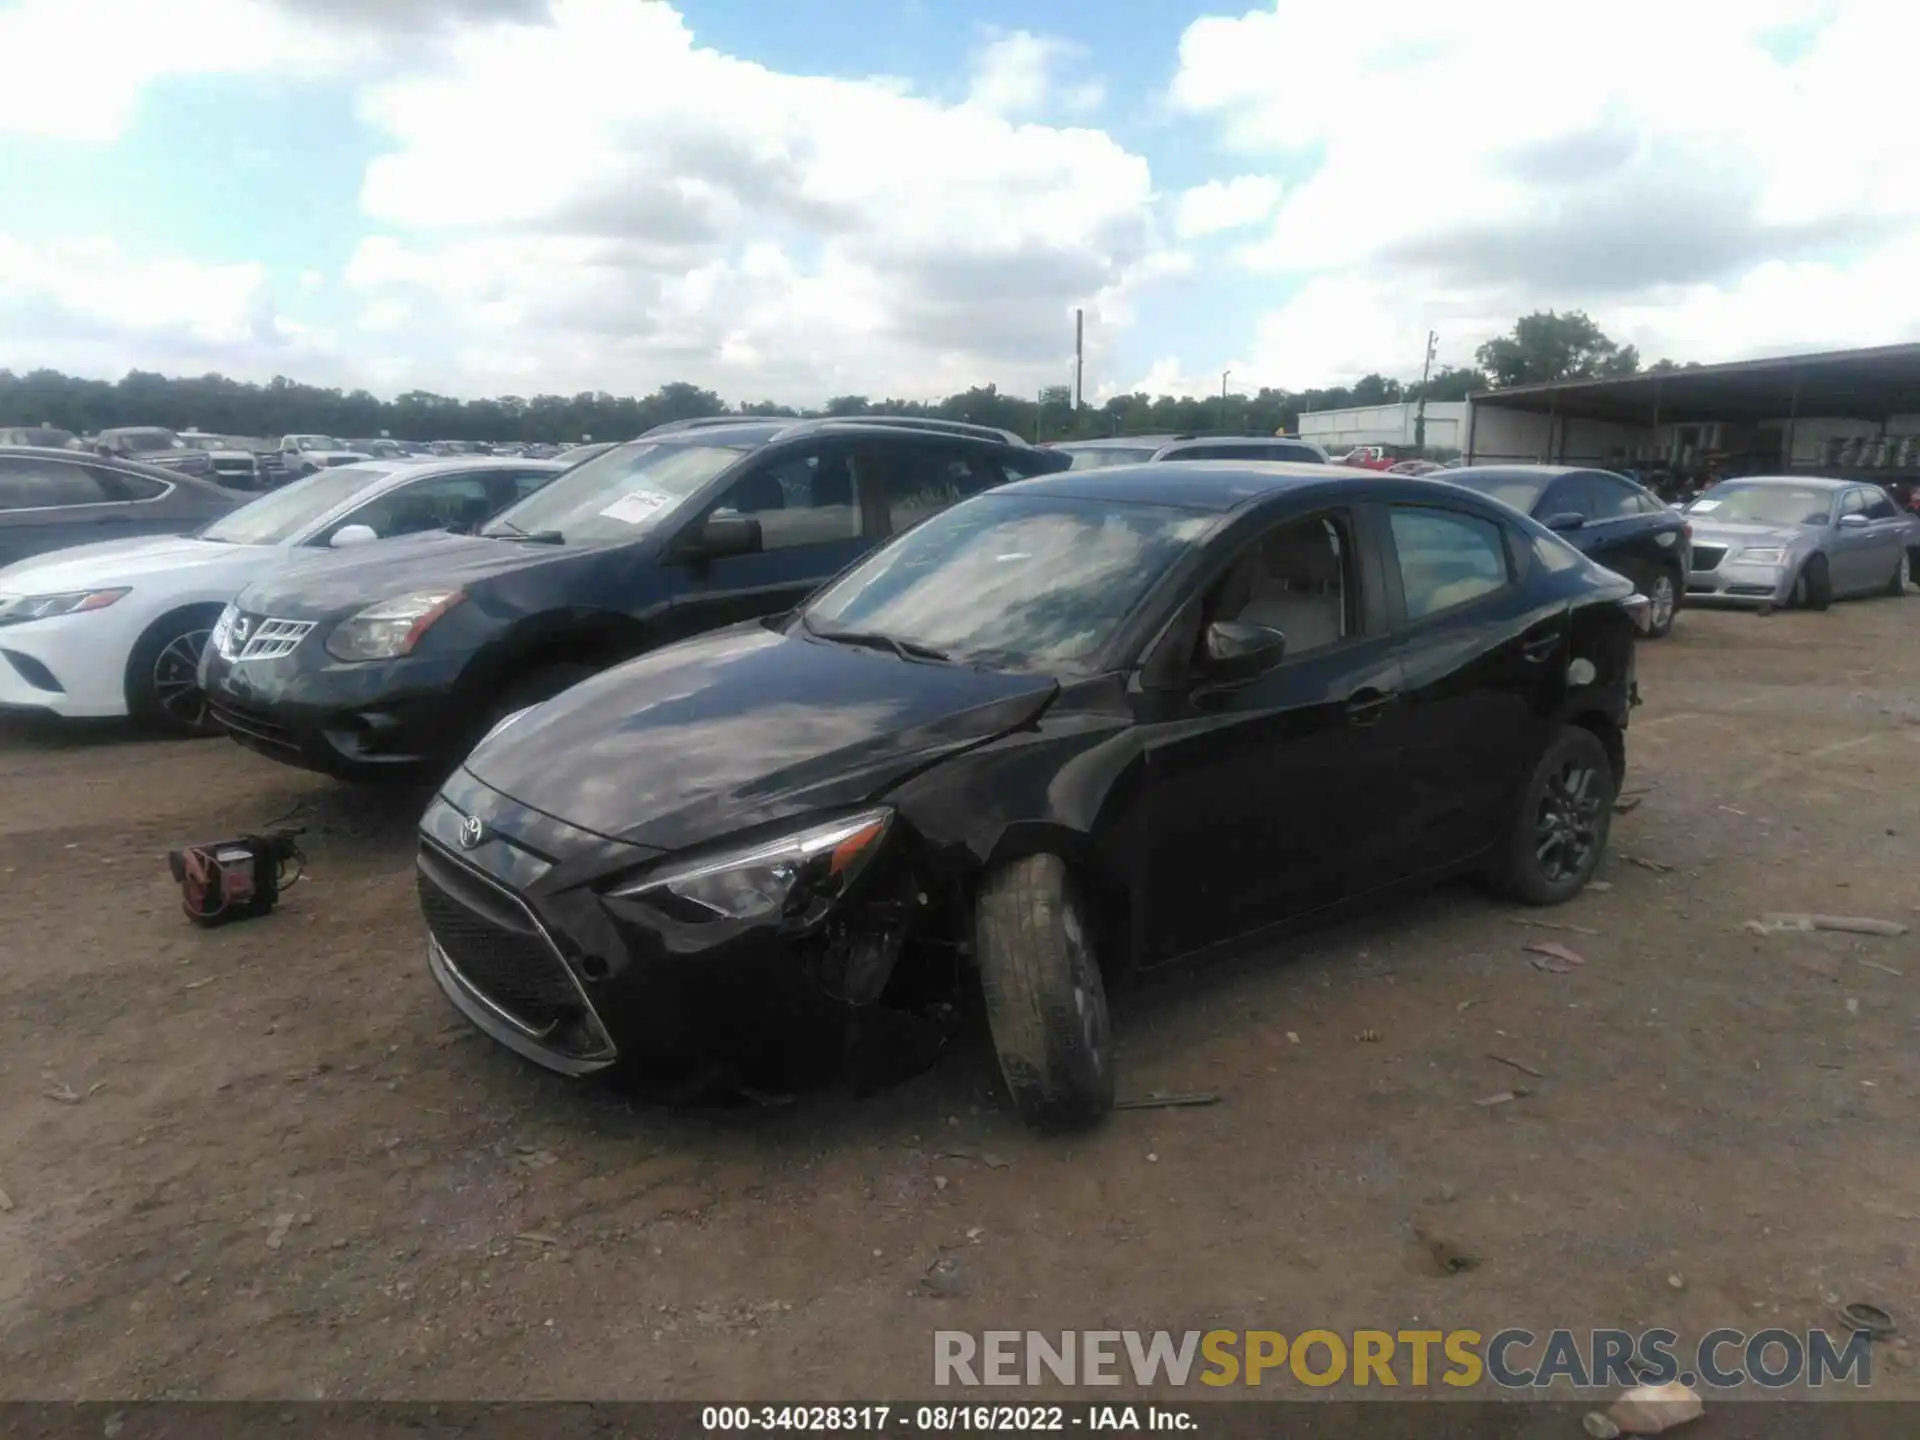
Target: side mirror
(1238, 651)
(1855, 521)
(1566, 520)
(724, 536)
(353, 535)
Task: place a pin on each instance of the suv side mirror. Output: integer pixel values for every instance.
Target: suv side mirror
(353, 535)
(723, 536)
(1855, 521)
(1566, 520)
(1239, 651)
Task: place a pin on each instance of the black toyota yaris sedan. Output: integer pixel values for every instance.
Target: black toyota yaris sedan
(1071, 728)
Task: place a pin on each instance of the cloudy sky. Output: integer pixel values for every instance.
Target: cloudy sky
(905, 197)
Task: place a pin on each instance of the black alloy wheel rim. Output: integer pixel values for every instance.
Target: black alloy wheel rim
(1089, 1013)
(1566, 831)
(176, 679)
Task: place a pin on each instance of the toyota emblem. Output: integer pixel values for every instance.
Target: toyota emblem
(472, 832)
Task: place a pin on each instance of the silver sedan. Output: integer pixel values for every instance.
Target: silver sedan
(1770, 540)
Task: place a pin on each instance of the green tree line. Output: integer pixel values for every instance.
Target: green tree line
(1544, 346)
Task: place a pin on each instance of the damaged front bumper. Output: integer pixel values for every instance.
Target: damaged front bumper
(529, 945)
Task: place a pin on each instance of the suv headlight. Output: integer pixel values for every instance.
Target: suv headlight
(392, 628)
(43, 607)
(761, 882)
(1762, 555)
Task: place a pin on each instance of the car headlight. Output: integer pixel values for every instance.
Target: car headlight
(392, 628)
(41, 607)
(766, 880)
(1762, 555)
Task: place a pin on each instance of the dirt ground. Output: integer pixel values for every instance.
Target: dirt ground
(1733, 1110)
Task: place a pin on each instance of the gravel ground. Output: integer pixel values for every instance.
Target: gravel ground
(284, 1169)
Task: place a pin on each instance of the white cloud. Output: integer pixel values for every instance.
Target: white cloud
(1628, 175)
(76, 69)
(1019, 74)
(1225, 205)
(89, 307)
(759, 232)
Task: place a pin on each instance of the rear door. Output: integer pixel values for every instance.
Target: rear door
(812, 525)
(1483, 664)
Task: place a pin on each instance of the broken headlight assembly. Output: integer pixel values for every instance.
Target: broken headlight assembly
(768, 880)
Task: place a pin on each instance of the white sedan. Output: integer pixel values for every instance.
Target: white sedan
(117, 628)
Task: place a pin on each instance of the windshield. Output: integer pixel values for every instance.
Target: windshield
(143, 442)
(1765, 504)
(316, 442)
(207, 442)
(1099, 457)
(282, 514)
(1029, 581)
(618, 495)
(1522, 492)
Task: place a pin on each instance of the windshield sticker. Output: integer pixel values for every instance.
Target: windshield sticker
(636, 505)
(1702, 506)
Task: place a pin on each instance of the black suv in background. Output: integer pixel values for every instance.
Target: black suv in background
(1137, 449)
(1606, 517)
(392, 660)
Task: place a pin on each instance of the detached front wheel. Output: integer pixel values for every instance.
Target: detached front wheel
(1046, 1004)
(1560, 831)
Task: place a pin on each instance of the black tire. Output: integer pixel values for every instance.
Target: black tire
(1046, 1004)
(1813, 589)
(1897, 582)
(162, 681)
(1560, 828)
(1648, 579)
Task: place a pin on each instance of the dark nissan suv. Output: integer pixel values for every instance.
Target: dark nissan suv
(391, 660)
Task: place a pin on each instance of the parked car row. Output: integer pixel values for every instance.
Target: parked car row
(756, 742)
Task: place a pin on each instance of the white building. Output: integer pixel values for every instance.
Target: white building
(1338, 431)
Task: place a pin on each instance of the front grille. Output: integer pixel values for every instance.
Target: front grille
(251, 725)
(235, 467)
(1708, 557)
(490, 938)
(238, 637)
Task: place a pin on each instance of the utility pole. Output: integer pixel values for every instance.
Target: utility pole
(1079, 362)
(1420, 410)
(1223, 397)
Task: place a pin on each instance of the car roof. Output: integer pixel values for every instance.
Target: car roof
(137, 430)
(1815, 482)
(1119, 442)
(1539, 472)
(1212, 485)
(104, 462)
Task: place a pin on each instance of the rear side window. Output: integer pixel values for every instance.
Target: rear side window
(911, 482)
(118, 485)
(1446, 559)
(35, 484)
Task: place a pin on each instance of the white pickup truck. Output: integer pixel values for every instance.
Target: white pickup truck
(303, 454)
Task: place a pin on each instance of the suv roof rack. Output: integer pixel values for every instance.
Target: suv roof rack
(702, 422)
(938, 426)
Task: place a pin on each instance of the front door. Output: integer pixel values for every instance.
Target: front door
(1267, 799)
(810, 529)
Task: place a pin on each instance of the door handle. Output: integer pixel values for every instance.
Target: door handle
(1540, 649)
(1365, 707)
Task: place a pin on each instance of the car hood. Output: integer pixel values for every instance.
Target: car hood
(330, 582)
(109, 562)
(1734, 532)
(744, 727)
